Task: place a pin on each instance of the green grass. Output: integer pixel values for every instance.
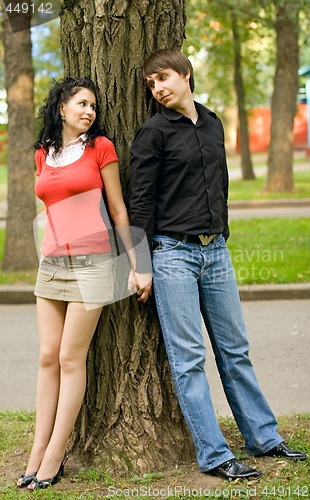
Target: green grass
(281, 479)
(254, 190)
(270, 250)
(18, 278)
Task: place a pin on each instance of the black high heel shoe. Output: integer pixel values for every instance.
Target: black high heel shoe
(45, 483)
(26, 479)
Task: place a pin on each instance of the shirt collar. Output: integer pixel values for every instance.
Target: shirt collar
(203, 113)
(81, 138)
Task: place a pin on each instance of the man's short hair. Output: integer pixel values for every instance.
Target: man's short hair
(169, 58)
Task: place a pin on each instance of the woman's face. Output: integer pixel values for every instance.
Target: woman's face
(79, 113)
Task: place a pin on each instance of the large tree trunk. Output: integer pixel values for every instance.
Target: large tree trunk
(130, 419)
(20, 252)
(283, 108)
(246, 161)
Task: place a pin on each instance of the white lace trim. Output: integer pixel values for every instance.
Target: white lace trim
(72, 152)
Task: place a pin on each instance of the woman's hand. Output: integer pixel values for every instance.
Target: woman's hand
(132, 288)
(143, 284)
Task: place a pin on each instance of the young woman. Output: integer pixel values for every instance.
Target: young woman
(75, 162)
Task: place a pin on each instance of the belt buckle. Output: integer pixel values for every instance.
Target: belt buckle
(205, 240)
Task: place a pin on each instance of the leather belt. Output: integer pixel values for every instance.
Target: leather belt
(200, 239)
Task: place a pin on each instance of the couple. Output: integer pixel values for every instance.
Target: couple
(179, 192)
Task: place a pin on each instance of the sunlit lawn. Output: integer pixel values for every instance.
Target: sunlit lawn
(270, 250)
(255, 190)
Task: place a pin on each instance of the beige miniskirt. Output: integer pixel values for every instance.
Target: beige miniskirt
(80, 278)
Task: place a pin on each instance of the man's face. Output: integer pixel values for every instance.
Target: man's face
(169, 88)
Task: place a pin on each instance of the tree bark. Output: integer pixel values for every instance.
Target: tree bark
(283, 108)
(246, 161)
(20, 252)
(130, 419)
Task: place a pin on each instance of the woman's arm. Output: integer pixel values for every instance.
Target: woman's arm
(118, 211)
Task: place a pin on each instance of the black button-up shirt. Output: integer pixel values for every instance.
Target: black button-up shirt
(179, 177)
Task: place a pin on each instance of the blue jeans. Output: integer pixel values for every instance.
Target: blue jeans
(190, 280)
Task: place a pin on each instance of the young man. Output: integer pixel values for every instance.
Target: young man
(179, 184)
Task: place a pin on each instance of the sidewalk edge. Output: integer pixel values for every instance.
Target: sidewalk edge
(23, 294)
(275, 292)
(17, 294)
(272, 203)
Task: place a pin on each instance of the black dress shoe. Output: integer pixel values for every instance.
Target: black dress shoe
(281, 450)
(232, 469)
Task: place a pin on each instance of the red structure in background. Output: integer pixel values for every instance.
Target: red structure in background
(259, 129)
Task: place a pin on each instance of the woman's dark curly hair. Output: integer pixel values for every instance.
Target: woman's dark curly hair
(49, 115)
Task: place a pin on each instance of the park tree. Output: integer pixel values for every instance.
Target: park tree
(20, 252)
(283, 105)
(130, 418)
(246, 160)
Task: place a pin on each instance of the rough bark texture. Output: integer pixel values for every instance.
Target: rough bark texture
(130, 419)
(280, 161)
(246, 161)
(20, 252)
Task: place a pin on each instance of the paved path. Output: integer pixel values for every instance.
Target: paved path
(236, 213)
(279, 333)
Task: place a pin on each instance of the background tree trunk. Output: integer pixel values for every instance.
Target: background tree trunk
(246, 161)
(20, 252)
(130, 419)
(283, 107)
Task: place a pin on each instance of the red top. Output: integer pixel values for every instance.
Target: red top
(72, 196)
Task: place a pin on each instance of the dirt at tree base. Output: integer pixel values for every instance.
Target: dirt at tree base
(184, 480)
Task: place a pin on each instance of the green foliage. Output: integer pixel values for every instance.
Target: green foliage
(304, 36)
(210, 44)
(47, 58)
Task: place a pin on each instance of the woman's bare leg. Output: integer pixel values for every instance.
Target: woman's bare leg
(51, 318)
(78, 331)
